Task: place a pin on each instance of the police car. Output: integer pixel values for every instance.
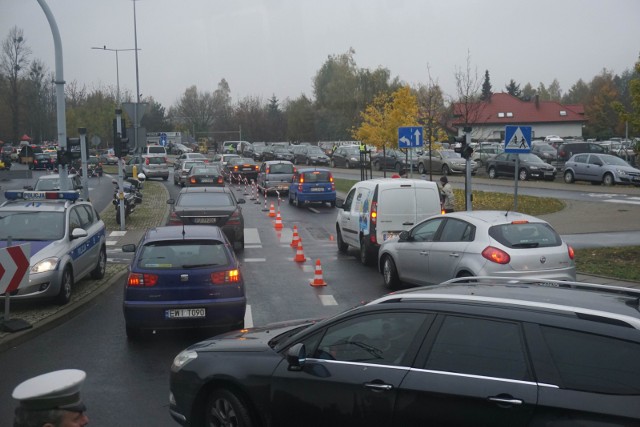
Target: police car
(67, 239)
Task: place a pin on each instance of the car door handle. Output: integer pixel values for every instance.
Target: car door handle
(504, 400)
(454, 254)
(425, 253)
(407, 223)
(382, 387)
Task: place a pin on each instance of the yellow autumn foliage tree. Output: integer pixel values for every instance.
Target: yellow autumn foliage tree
(382, 118)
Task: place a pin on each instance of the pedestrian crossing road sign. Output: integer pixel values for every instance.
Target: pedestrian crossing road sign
(517, 139)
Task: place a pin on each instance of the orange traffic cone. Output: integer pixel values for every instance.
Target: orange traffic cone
(278, 224)
(299, 254)
(317, 278)
(272, 211)
(296, 238)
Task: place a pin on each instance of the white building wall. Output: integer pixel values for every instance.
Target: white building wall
(496, 132)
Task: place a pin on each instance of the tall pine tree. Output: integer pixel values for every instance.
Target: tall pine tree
(486, 87)
(513, 89)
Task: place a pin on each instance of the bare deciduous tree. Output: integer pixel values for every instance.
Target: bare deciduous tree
(14, 60)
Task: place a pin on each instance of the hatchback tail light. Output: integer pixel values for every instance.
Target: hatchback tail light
(220, 180)
(572, 253)
(137, 280)
(496, 255)
(224, 277)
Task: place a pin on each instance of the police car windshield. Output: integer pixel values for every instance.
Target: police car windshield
(31, 225)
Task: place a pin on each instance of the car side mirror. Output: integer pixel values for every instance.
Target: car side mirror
(296, 357)
(340, 203)
(240, 201)
(130, 247)
(171, 202)
(78, 232)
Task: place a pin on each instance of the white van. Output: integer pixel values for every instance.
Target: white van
(378, 209)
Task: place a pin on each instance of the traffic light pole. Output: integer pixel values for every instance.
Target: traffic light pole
(84, 155)
(467, 182)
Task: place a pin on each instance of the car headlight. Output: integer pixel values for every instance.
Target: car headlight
(184, 357)
(353, 159)
(47, 264)
(621, 172)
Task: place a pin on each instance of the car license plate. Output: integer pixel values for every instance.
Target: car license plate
(185, 313)
(206, 180)
(317, 189)
(247, 169)
(204, 220)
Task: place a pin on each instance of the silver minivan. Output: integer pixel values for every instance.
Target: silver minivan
(275, 175)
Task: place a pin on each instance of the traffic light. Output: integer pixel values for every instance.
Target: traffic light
(120, 141)
(467, 151)
(73, 150)
(459, 143)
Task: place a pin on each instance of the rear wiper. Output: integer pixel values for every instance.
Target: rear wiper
(526, 245)
(198, 265)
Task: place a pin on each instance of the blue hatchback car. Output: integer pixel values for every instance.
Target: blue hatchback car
(312, 185)
(182, 278)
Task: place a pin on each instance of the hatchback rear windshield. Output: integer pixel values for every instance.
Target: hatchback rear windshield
(183, 255)
(525, 235)
(280, 168)
(156, 150)
(155, 160)
(317, 176)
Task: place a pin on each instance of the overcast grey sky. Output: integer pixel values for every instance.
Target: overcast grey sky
(266, 47)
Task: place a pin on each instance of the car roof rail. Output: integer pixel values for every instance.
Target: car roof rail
(543, 282)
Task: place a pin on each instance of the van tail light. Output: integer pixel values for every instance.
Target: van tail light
(220, 180)
(146, 161)
(235, 168)
(374, 213)
(496, 255)
(224, 277)
(234, 219)
(137, 280)
(572, 253)
(174, 219)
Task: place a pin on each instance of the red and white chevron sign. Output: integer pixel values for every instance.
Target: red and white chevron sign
(14, 267)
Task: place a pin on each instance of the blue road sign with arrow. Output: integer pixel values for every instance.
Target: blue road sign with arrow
(163, 139)
(517, 139)
(410, 137)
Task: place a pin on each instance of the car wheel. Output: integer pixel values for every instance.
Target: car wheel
(365, 253)
(492, 173)
(64, 296)
(333, 203)
(445, 170)
(342, 246)
(421, 169)
(164, 178)
(347, 165)
(290, 199)
(240, 243)
(568, 177)
(98, 272)
(608, 180)
(224, 408)
(390, 273)
(296, 202)
(523, 175)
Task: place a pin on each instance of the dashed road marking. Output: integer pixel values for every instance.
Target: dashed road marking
(327, 300)
(254, 260)
(248, 317)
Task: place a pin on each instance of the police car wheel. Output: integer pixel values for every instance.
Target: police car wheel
(98, 272)
(64, 296)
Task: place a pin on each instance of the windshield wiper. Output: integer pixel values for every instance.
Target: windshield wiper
(199, 265)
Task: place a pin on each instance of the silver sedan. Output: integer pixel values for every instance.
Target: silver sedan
(478, 243)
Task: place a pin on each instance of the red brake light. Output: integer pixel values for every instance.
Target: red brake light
(223, 277)
(146, 161)
(234, 219)
(235, 168)
(572, 253)
(220, 181)
(142, 280)
(496, 255)
(301, 179)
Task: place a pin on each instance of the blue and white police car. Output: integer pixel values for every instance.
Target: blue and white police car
(67, 239)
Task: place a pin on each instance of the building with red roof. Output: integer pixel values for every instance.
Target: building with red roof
(488, 119)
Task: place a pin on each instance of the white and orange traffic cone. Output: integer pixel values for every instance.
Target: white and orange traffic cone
(317, 278)
(299, 254)
(278, 225)
(272, 211)
(296, 238)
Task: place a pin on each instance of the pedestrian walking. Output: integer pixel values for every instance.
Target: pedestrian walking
(447, 197)
(51, 400)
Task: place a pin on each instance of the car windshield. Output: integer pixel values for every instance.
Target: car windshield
(353, 151)
(450, 155)
(204, 199)
(188, 165)
(613, 160)
(183, 255)
(525, 235)
(316, 151)
(31, 225)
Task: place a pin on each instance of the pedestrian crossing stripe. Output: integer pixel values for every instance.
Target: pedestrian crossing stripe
(517, 139)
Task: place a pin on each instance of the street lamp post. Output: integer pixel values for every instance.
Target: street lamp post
(117, 69)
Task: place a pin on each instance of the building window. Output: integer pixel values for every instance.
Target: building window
(500, 114)
(563, 113)
(509, 114)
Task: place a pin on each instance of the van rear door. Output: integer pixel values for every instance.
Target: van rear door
(396, 210)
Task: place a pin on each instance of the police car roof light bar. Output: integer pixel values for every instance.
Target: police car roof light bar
(41, 195)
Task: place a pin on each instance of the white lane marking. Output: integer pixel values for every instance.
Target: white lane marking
(251, 237)
(248, 317)
(117, 233)
(111, 242)
(327, 300)
(628, 202)
(254, 259)
(314, 210)
(252, 246)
